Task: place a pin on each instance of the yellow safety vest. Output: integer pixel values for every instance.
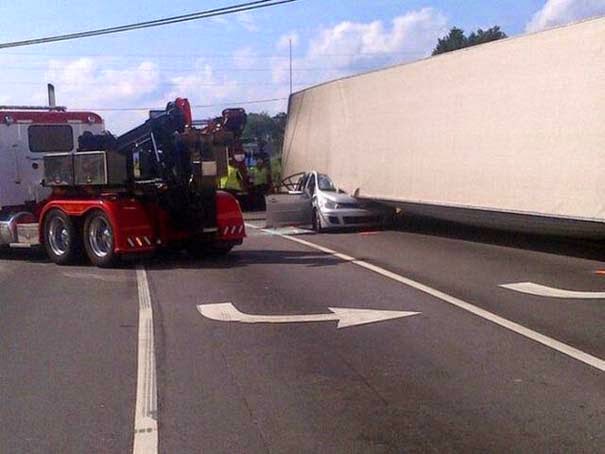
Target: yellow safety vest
(232, 181)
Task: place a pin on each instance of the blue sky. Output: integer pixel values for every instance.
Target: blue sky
(241, 58)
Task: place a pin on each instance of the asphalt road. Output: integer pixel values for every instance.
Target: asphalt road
(444, 380)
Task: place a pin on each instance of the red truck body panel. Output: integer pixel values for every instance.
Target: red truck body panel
(141, 227)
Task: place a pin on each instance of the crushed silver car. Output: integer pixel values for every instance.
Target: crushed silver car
(313, 199)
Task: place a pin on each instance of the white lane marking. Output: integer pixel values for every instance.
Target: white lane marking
(554, 344)
(145, 419)
(227, 312)
(281, 230)
(551, 292)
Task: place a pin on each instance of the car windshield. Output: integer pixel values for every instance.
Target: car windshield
(325, 183)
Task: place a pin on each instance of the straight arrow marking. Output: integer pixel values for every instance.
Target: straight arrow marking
(542, 290)
(227, 312)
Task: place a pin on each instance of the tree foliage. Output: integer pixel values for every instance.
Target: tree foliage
(263, 129)
(456, 39)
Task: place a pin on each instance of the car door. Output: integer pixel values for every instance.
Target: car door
(12, 192)
(289, 209)
(311, 187)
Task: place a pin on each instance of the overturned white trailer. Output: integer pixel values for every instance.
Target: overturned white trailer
(510, 133)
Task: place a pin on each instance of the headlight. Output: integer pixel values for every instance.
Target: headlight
(330, 205)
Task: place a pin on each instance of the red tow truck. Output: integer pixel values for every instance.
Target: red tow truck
(71, 187)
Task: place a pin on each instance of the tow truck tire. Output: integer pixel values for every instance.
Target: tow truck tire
(62, 238)
(99, 240)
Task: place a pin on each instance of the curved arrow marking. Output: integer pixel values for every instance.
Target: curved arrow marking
(541, 290)
(227, 312)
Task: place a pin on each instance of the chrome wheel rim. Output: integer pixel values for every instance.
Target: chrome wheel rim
(58, 236)
(100, 237)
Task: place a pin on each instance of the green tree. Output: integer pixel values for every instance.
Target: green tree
(456, 39)
(485, 36)
(263, 129)
(279, 123)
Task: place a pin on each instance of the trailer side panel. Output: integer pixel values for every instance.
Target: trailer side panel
(511, 126)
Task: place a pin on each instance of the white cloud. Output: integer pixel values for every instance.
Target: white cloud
(91, 84)
(246, 20)
(203, 87)
(86, 82)
(340, 49)
(413, 33)
(560, 12)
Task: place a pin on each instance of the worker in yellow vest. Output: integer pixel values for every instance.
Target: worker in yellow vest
(233, 181)
(235, 184)
(261, 175)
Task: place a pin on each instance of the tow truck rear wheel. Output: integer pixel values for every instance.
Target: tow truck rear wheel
(99, 240)
(62, 239)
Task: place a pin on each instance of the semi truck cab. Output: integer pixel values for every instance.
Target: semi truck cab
(26, 135)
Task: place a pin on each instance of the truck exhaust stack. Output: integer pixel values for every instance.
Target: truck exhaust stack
(51, 96)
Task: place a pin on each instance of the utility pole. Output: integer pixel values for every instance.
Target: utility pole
(290, 45)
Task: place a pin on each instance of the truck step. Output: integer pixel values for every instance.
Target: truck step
(21, 245)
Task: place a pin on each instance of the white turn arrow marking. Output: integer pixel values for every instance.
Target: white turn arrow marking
(227, 312)
(542, 290)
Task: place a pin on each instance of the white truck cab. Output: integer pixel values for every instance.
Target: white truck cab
(26, 135)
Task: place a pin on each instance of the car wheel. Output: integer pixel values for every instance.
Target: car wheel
(99, 240)
(62, 239)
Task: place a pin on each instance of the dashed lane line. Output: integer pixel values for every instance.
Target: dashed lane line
(145, 420)
(547, 341)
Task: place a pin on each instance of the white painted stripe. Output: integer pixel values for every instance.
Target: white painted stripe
(554, 344)
(145, 419)
(542, 290)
